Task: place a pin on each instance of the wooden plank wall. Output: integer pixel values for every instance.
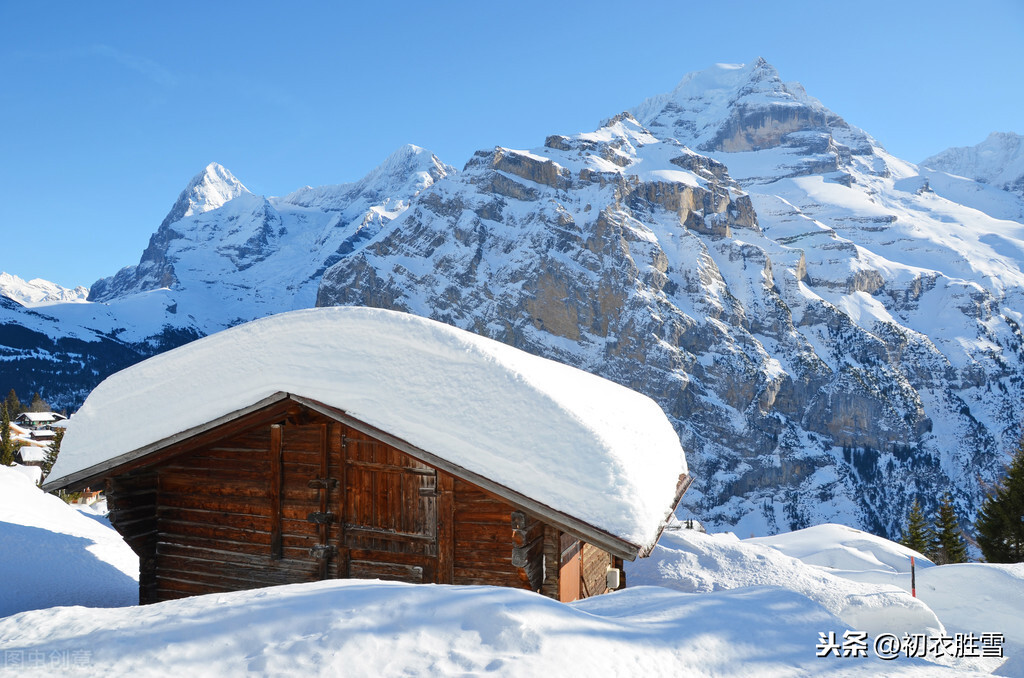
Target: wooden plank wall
(593, 571)
(132, 502)
(204, 521)
(214, 520)
(484, 541)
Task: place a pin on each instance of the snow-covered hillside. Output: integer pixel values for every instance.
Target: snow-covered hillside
(997, 161)
(221, 256)
(701, 605)
(830, 334)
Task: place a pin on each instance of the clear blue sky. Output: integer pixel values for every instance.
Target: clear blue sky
(108, 109)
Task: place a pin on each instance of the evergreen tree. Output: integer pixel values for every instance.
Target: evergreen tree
(52, 452)
(1000, 523)
(918, 534)
(38, 404)
(14, 406)
(948, 545)
(6, 444)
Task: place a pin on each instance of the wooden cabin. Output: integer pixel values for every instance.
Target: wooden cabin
(294, 489)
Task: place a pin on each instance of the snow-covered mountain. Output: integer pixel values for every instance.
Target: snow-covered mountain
(229, 256)
(39, 292)
(221, 256)
(832, 330)
(997, 161)
(830, 335)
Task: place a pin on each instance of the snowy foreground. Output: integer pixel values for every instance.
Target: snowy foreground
(701, 605)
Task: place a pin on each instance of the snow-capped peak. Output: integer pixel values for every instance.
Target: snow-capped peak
(210, 189)
(410, 166)
(39, 292)
(405, 172)
(734, 107)
(998, 161)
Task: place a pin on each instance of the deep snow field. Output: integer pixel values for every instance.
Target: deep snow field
(701, 605)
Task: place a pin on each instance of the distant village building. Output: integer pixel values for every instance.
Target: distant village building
(37, 420)
(31, 445)
(353, 442)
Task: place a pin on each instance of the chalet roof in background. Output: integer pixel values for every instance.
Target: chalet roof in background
(572, 441)
(41, 417)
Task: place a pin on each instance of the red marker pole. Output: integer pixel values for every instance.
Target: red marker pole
(913, 578)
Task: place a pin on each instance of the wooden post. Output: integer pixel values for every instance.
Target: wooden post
(913, 578)
(343, 518)
(445, 528)
(276, 549)
(325, 468)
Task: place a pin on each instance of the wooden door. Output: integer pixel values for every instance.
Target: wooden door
(303, 528)
(569, 571)
(389, 513)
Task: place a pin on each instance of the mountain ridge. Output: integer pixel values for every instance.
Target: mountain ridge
(829, 332)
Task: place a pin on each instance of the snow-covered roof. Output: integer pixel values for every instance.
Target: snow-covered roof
(40, 417)
(574, 442)
(32, 453)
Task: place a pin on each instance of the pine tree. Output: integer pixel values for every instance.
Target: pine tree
(38, 404)
(6, 444)
(52, 452)
(918, 534)
(948, 545)
(1000, 522)
(14, 406)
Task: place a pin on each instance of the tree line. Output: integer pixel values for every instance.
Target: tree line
(999, 525)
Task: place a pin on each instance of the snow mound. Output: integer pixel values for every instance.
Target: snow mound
(578, 443)
(362, 628)
(844, 548)
(691, 561)
(54, 555)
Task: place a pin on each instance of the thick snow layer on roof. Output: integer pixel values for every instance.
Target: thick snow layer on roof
(577, 443)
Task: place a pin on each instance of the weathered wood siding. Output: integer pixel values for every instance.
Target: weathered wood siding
(214, 515)
(302, 497)
(131, 499)
(594, 564)
(494, 543)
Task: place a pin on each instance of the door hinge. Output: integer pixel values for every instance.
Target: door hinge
(323, 551)
(323, 483)
(321, 518)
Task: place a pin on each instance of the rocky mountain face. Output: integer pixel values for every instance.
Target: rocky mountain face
(997, 161)
(830, 335)
(832, 330)
(230, 256)
(221, 256)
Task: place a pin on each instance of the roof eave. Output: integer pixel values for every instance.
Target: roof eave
(83, 477)
(594, 535)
